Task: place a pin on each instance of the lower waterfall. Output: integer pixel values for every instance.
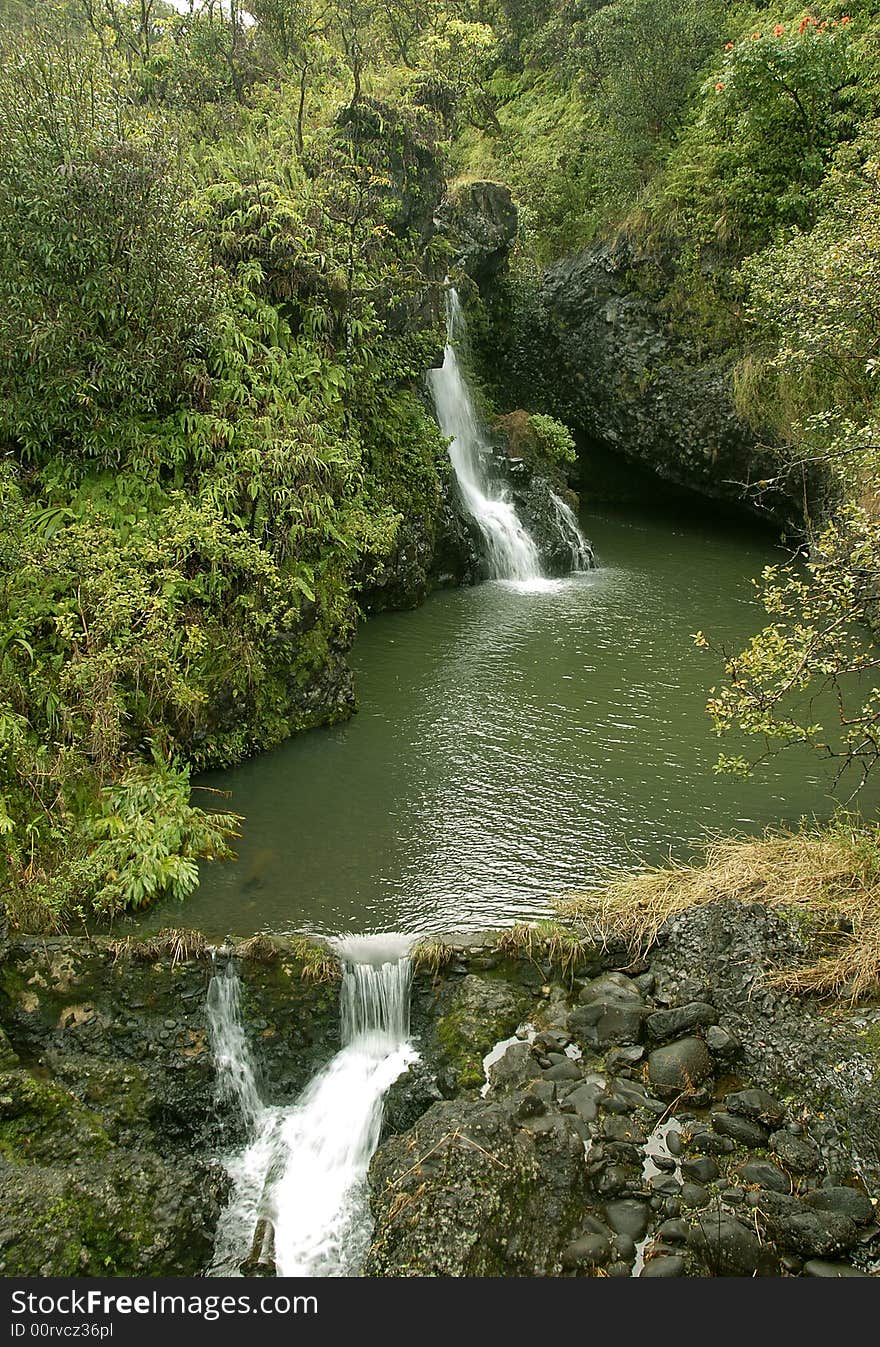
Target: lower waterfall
(299, 1186)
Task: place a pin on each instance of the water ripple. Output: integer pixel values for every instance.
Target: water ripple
(514, 741)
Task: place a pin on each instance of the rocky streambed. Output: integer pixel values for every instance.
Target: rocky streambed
(677, 1116)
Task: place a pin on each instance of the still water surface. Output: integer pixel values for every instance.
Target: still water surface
(511, 745)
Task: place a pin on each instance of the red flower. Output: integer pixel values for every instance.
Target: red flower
(718, 87)
(846, 19)
(728, 46)
(779, 30)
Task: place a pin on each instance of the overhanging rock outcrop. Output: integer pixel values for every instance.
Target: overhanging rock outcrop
(593, 345)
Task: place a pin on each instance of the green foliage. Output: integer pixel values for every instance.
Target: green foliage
(773, 110)
(554, 439)
(106, 297)
(147, 837)
(812, 296)
(214, 260)
(820, 639)
(199, 416)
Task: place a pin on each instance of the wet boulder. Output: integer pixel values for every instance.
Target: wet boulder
(680, 1068)
(806, 1229)
(471, 1191)
(727, 1247)
(607, 1020)
(475, 1013)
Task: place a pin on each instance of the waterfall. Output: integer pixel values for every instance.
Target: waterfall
(236, 1077)
(510, 550)
(303, 1171)
(569, 530)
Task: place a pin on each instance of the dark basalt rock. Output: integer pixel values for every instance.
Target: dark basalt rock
(681, 1019)
(701, 1169)
(741, 1130)
(469, 1192)
(721, 1043)
(604, 1021)
(480, 221)
(584, 1101)
(610, 987)
(728, 1248)
(763, 1174)
(131, 1215)
(817, 1267)
(664, 1265)
(844, 1201)
(592, 345)
(679, 1067)
(758, 1105)
(628, 1217)
(787, 1046)
(587, 1251)
(411, 1095)
(809, 1231)
(694, 1195)
(798, 1153)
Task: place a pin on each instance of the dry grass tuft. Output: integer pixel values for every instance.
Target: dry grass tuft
(432, 956)
(561, 946)
(172, 943)
(258, 949)
(830, 876)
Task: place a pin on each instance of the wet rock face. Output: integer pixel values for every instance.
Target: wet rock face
(480, 220)
(470, 1015)
(594, 1149)
(784, 1045)
(592, 344)
(119, 1214)
(506, 1193)
(738, 1142)
(109, 1120)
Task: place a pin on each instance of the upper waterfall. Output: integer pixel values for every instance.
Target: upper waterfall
(510, 549)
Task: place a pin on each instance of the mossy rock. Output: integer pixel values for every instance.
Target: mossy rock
(476, 1012)
(8, 1055)
(40, 1122)
(129, 1216)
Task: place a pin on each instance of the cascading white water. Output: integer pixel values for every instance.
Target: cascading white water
(569, 530)
(236, 1078)
(510, 550)
(305, 1167)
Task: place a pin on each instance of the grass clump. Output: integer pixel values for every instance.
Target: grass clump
(263, 949)
(432, 956)
(828, 875)
(318, 963)
(174, 943)
(547, 942)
